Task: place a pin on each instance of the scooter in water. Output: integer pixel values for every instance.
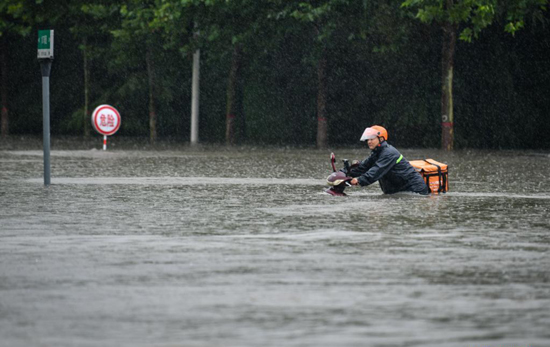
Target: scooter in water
(339, 180)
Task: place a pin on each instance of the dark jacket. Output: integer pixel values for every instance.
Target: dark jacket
(394, 173)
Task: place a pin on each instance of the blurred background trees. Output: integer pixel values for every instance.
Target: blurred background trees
(304, 73)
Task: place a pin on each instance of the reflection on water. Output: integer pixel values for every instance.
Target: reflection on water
(240, 247)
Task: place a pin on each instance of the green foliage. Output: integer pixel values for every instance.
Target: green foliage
(476, 15)
(16, 17)
(383, 67)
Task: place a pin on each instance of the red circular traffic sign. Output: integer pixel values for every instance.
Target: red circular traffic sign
(106, 120)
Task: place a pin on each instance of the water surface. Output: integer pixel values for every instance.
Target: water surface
(241, 247)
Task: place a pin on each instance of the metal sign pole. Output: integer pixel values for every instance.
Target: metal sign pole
(45, 56)
(46, 65)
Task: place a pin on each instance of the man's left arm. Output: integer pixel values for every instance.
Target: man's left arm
(378, 170)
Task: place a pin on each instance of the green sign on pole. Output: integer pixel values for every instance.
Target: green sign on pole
(45, 44)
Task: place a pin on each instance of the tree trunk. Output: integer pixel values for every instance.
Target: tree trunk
(87, 119)
(152, 112)
(4, 124)
(447, 63)
(322, 126)
(231, 97)
(195, 97)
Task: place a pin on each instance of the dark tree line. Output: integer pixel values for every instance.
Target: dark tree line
(435, 73)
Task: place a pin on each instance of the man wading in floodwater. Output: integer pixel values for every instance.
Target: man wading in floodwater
(387, 166)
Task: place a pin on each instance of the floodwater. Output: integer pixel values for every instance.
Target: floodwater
(240, 247)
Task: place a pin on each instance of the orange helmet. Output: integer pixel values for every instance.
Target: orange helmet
(374, 131)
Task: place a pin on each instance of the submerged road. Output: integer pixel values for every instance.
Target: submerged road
(241, 247)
